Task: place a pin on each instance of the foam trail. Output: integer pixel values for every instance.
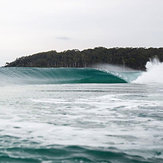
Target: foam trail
(154, 73)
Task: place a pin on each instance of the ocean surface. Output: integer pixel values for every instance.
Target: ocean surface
(84, 115)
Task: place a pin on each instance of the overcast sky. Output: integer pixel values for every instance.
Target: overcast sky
(30, 26)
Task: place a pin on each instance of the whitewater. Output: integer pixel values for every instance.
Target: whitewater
(103, 114)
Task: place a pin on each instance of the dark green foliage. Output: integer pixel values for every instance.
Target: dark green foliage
(135, 58)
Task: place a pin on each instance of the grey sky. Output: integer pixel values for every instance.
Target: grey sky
(30, 26)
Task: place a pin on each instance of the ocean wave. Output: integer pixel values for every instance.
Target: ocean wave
(70, 154)
(57, 76)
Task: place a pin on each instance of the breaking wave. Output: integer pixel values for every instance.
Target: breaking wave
(99, 74)
(153, 74)
(59, 76)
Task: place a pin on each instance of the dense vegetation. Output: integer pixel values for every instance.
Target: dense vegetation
(135, 58)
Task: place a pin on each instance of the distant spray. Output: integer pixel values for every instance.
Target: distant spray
(154, 73)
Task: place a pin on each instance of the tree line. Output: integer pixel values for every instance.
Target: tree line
(135, 58)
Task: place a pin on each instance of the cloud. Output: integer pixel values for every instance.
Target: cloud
(63, 38)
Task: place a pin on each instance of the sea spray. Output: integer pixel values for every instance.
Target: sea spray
(153, 74)
(123, 72)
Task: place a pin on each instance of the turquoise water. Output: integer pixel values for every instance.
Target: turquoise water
(57, 76)
(80, 120)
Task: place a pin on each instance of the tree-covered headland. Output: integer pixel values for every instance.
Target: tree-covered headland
(135, 58)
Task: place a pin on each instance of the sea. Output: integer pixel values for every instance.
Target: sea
(105, 114)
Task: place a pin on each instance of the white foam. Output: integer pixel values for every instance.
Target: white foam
(154, 73)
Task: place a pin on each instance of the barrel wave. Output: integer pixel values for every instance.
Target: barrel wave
(57, 76)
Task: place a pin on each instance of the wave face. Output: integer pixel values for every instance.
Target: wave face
(57, 76)
(70, 154)
(154, 73)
